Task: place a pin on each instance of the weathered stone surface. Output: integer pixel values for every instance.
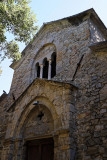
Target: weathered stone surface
(72, 106)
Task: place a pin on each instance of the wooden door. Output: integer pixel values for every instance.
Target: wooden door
(33, 152)
(47, 152)
(40, 149)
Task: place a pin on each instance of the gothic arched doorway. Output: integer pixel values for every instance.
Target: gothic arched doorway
(37, 133)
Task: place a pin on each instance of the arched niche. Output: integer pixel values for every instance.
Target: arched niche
(38, 123)
(29, 108)
(45, 51)
(38, 127)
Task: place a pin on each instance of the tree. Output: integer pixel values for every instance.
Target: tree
(17, 18)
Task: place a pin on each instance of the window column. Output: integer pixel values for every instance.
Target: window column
(41, 70)
(49, 69)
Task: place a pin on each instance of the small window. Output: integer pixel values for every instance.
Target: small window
(45, 68)
(37, 70)
(53, 65)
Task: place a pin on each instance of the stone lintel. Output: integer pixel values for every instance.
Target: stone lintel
(38, 137)
(61, 132)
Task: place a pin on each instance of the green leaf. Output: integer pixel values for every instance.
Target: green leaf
(17, 18)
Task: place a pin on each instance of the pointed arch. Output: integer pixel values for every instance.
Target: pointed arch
(28, 109)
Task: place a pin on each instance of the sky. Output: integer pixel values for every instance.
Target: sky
(50, 10)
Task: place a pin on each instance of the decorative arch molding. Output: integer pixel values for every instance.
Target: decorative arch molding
(45, 51)
(28, 109)
(38, 123)
(44, 45)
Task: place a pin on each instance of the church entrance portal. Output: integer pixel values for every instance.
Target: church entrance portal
(42, 149)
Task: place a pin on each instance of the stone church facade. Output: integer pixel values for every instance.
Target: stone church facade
(56, 108)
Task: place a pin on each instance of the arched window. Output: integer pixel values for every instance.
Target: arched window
(45, 68)
(53, 65)
(37, 70)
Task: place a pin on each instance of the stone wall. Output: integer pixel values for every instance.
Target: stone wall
(70, 42)
(24, 123)
(92, 107)
(3, 120)
(74, 100)
(96, 35)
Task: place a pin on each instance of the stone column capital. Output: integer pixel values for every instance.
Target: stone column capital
(41, 65)
(50, 61)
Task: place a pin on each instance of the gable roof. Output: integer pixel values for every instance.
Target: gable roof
(74, 20)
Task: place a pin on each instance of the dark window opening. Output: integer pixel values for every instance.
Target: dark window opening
(45, 68)
(38, 70)
(53, 65)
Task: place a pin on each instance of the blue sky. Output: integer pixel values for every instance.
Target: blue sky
(49, 10)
